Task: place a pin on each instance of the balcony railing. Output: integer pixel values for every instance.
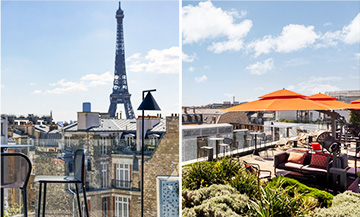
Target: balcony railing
(120, 184)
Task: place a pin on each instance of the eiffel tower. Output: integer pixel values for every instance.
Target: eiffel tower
(120, 93)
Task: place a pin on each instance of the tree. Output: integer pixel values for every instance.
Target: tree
(355, 117)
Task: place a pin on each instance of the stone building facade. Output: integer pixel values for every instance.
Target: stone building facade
(165, 161)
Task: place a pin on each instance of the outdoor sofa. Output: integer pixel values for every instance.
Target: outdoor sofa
(310, 165)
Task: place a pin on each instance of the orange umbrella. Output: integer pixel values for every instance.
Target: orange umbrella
(355, 104)
(356, 101)
(330, 101)
(281, 100)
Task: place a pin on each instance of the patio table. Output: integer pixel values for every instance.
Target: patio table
(3, 148)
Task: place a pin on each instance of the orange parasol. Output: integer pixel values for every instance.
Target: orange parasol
(281, 100)
(330, 101)
(356, 101)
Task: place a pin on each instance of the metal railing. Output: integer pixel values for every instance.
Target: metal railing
(120, 184)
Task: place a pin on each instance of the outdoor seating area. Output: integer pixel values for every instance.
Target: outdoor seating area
(314, 165)
(251, 175)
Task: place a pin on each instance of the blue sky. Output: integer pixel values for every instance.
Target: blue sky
(248, 49)
(56, 55)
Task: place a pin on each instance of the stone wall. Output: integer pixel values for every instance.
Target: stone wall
(166, 154)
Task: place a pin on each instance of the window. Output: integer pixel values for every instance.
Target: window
(88, 164)
(105, 206)
(71, 167)
(129, 141)
(104, 175)
(67, 140)
(84, 207)
(123, 175)
(121, 207)
(104, 144)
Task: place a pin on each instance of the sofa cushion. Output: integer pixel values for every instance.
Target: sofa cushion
(296, 157)
(316, 146)
(313, 170)
(291, 166)
(318, 160)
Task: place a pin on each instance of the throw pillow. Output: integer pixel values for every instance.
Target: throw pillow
(300, 150)
(295, 157)
(316, 146)
(318, 160)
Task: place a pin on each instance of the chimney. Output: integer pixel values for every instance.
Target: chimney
(86, 107)
(88, 119)
(194, 110)
(185, 110)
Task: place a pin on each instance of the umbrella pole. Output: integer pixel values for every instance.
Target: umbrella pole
(333, 126)
(333, 116)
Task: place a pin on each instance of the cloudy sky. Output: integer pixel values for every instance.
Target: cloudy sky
(248, 49)
(56, 55)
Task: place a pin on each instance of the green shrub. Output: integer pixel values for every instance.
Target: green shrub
(354, 118)
(216, 200)
(287, 121)
(278, 202)
(345, 204)
(205, 173)
(226, 168)
(198, 175)
(246, 183)
(324, 198)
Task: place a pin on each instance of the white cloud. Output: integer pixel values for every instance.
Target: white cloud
(351, 32)
(319, 84)
(357, 56)
(296, 62)
(32, 84)
(86, 82)
(292, 38)
(291, 87)
(327, 24)
(191, 69)
(259, 88)
(295, 37)
(207, 22)
(263, 46)
(164, 61)
(67, 86)
(229, 95)
(36, 92)
(260, 68)
(189, 58)
(201, 79)
(219, 47)
(96, 80)
(134, 57)
(329, 39)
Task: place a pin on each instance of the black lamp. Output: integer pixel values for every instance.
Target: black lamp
(148, 103)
